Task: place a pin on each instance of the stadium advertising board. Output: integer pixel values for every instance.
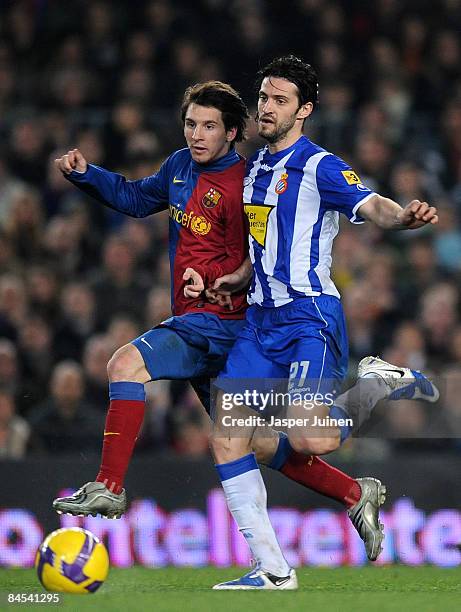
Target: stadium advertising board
(180, 517)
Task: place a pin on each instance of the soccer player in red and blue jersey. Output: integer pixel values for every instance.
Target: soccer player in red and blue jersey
(201, 187)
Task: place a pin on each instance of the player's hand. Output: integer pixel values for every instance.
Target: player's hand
(194, 283)
(416, 214)
(235, 281)
(73, 160)
(222, 300)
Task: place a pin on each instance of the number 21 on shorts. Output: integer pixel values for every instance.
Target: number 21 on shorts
(298, 374)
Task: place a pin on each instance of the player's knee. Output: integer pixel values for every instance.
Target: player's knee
(125, 364)
(314, 446)
(260, 452)
(264, 449)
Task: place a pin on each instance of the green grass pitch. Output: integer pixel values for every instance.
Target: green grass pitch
(370, 589)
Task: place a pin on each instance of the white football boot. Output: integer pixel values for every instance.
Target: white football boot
(402, 383)
(259, 580)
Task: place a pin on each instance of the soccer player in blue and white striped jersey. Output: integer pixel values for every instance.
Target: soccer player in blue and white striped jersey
(294, 193)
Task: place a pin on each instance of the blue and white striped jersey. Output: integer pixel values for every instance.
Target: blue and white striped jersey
(293, 199)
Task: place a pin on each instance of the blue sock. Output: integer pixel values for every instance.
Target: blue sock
(127, 391)
(282, 453)
(237, 467)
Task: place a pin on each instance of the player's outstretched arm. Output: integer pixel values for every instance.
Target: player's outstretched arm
(134, 198)
(387, 214)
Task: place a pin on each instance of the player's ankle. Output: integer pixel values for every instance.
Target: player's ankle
(114, 486)
(353, 496)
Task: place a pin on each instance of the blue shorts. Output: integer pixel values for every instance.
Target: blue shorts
(189, 347)
(301, 342)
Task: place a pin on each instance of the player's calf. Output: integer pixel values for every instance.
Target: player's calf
(225, 449)
(308, 445)
(314, 431)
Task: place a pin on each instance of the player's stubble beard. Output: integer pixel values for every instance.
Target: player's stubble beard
(280, 130)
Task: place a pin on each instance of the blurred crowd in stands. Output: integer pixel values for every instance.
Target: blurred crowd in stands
(78, 280)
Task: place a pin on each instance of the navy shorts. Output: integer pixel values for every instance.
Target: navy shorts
(189, 347)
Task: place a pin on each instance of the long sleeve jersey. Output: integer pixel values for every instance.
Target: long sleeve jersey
(207, 227)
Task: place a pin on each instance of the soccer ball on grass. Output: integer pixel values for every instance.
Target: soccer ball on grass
(72, 560)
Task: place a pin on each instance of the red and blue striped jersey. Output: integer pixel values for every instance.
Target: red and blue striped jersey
(207, 228)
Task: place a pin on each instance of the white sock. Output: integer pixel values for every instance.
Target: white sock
(375, 388)
(359, 401)
(247, 501)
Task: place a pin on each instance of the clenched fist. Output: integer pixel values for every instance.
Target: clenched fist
(416, 214)
(73, 160)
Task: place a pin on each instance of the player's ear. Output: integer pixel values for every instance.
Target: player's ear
(305, 110)
(231, 134)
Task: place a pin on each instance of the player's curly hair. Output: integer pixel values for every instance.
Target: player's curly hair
(222, 96)
(296, 71)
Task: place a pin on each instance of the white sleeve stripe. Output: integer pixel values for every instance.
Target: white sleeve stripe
(353, 219)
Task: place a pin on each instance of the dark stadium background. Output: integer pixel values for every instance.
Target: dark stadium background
(77, 280)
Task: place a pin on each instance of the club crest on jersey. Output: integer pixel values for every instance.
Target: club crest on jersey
(200, 226)
(211, 198)
(258, 217)
(351, 177)
(282, 184)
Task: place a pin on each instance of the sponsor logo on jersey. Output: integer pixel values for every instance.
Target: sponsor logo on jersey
(351, 177)
(211, 198)
(266, 168)
(199, 225)
(176, 180)
(258, 217)
(247, 181)
(361, 187)
(282, 185)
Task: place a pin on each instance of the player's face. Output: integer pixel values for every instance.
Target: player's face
(206, 134)
(279, 113)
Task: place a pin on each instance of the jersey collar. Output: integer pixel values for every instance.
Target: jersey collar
(218, 165)
(283, 152)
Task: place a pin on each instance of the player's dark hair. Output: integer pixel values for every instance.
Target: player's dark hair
(296, 71)
(222, 96)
